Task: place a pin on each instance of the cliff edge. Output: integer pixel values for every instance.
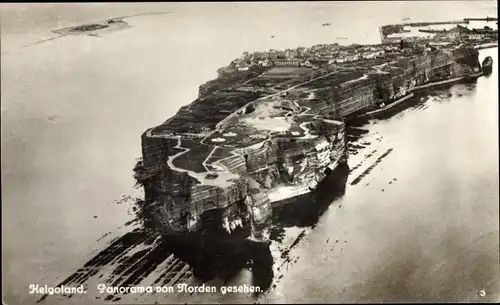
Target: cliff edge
(229, 157)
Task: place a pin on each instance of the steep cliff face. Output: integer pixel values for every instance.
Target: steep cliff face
(394, 80)
(232, 172)
(179, 202)
(295, 162)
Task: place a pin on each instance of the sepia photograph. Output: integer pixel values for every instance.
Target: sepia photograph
(252, 152)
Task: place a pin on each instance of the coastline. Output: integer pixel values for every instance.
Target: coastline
(430, 138)
(261, 157)
(391, 105)
(411, 91)
(280, 195)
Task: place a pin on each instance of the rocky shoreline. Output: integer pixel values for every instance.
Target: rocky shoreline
(226, 185)
(200, 171)
(261, 140)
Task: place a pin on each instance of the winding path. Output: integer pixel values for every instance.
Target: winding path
(224, 176)
(221, 181)
(218, 126)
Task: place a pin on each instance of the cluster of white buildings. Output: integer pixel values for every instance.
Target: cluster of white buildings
(307, 57)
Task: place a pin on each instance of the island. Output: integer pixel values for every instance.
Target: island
(94, 29)
(272, 126)
(102, 27)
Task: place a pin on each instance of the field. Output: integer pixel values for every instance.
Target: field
(286, 72)
(265, 82)
(237, 136)
(298, 79)
(334, 80)
(206, 112)
(219, 154)
(193, 159)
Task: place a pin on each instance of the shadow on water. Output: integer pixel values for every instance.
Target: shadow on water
(127, 260)
(214, 253)
(135, 255)
(129, 267)
(223, 256)
(209, 253)
(305, 210)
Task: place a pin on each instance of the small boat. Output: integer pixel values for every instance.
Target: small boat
(272, 36)
(487, 65)
(326, 24)
(341, 38)
(406, 18)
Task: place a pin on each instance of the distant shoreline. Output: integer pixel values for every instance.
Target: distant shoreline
(110, 24)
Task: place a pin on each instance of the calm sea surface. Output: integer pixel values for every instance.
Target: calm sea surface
(422, 225)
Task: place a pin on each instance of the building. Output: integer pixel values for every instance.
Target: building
(475, 36)
(307, 63)
(301, 51)
(265, 63)
(286, 63)
(371, 54)
(319, 61)
(272, 53)
(243, 67)
(352, 57)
